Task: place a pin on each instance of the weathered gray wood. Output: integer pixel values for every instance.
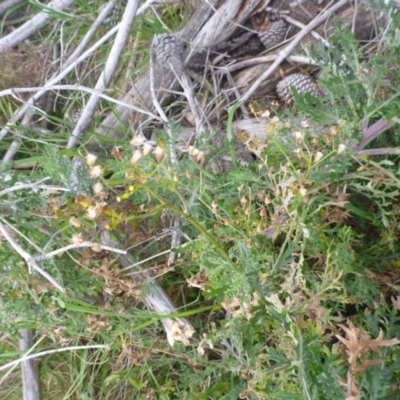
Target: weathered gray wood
(30, 368)
(364, 29)
(30, 27)
(204, 28)
(215, 22)
(7, 5)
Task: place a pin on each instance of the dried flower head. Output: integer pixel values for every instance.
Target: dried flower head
(90, 159)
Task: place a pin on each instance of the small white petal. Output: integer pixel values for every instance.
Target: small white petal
(341, 148)
(147, 148)
(96, 171)
(136, 156)
(98, 188)
(138, 140)
(92, 212)
(159, 153)
(90, 159)
(318, 156)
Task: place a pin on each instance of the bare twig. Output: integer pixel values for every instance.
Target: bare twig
(89, 35)
(105, 78)
(96, 92)
(176, 237)
(13, 228)
(33, 25)
(30, 369)
(67, 69)
(147, 259)
(7, 5)
(302, 26)
(37, 96)
(45, 353)
(33, 186)
(32, 263)
(260, 60)
(378, 152)
(296, 40)
(77, 246)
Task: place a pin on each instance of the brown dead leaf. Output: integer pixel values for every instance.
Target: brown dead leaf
(357, 343)
(115, 282)
(396, 302)
(199, 281)
(96, 323)
(39, 286)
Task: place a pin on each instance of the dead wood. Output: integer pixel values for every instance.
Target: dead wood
(30, 368)
(210, 23)
(219, 27)
(364, 29)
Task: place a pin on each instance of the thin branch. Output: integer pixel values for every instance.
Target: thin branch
(147, 259)
(37, 96)
(172, 152)
(90, 33)
(45, 353)
(32, 186)
(32, 263)
(378, 152)
(188, 92)
(177, 329)
(12, 227)
(77, 246)
(67, 69)
(109, 69)
(302, 26)
(30, 369)
(260, 60)
(34, 24)
(296, 40)
(176, 237)
(7, 5)
(95, 92)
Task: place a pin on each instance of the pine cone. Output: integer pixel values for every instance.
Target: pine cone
(275, 34)
(116, 14)
(74, 114)
(168, 52)
(301, 82)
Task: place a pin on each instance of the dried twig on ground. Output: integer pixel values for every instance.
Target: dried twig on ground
(33, 25)
(105, 77)
(8, 5)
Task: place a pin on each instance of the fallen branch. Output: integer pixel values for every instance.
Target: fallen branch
(32, 263)
(45, 353)
(30, 368)
(105, 78)
(7, 5)
(33, 25)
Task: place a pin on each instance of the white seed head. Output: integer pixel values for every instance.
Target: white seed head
(90, 159)
(341, 148)
(136, 156)
(147, 148)
(96, 171)
(158, 153)
(318, 156)
(98, 188)
(138, 140)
